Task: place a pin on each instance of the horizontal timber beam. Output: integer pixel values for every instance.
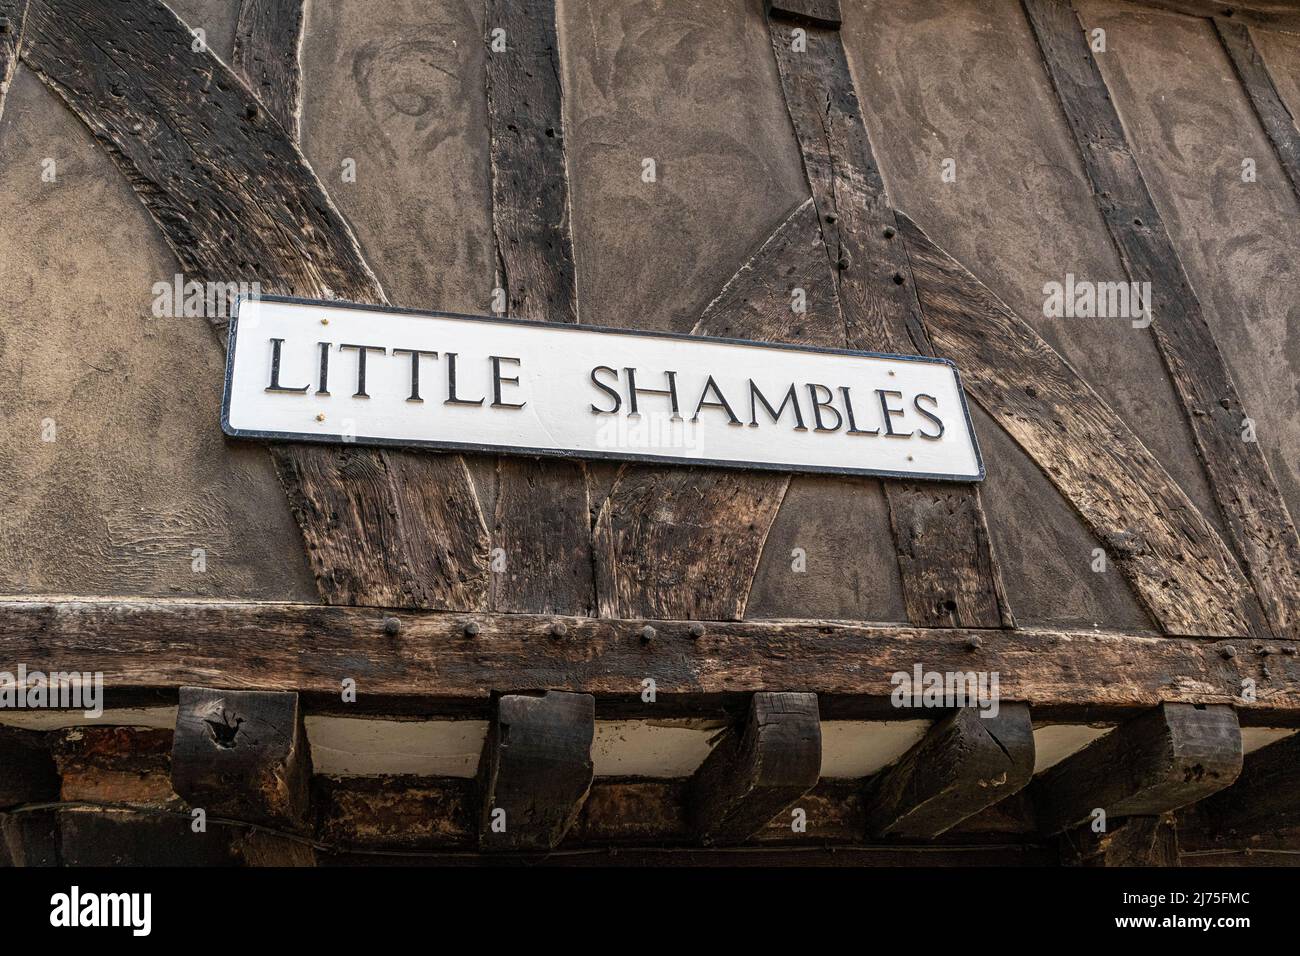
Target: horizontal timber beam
(461, 659)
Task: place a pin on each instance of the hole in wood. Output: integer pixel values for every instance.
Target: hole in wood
(224, 732)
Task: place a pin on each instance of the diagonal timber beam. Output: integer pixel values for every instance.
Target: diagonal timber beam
(965, 763)
(949, 575)
(243, 755)
(1170, 757)
(758, 770)
(1259, 527)
(1274, 116)
(536, 769)
(12, 16)
(1175, 561)
(236, 201)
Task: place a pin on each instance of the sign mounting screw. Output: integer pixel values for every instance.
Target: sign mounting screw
(391, 626)
(471, 628)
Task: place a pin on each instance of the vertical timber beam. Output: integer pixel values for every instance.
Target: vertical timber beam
(759, 770)
(1273, 114)
(965, 763)
(1167, 758)
(949, 575)
(536, 769)
(543, 514)
(242, 754)
(1259, 526)
(268, 35)
(236, 201)
(1137, 841)
(11, 28)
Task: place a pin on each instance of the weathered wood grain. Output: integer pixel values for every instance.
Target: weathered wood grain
(1273, 114)
(1170, 757)
(535, 770)
(683, 543)
(242, 755)
(757, 770)
(268, 34)
(948, 571)
(236, 201)
(1174, 559)
(1259, 526)
(11, 27)
(432, 659)
(542, 522)
(965, 763)
(1265, 798)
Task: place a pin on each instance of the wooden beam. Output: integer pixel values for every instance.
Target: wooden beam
(1273, 114)
(965, 763)
(1136, 841)
(759, 770)
(30, 838)
(268, 35)
(1271, 14)
(1259, 527)
(432, 659)
(946, 563)
(1170, 757)
(11, 27)
(27, 770)
(822, 13)
(1174, 560)
(542, 522)
(242, 755)
(686, 543)
(236, 201)
(536, 769)
(1265, 798)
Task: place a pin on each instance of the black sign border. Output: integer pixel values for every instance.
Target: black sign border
(331, 439)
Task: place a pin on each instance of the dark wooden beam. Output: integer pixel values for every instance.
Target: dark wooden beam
(1136, 841)
(242, 755)
(1259, 527)
(536, 769)
(542, 520)
(1273, 113)
(1265, 798)
(268, 34)
(1174, 560)
(312, 648)
(945, 558)
(11, 27)
(30, 838)
(964, 764)
(822, 13)
(27, 770)
(1170, 757)
(233, 197)
(758, 770)
(1272, 14)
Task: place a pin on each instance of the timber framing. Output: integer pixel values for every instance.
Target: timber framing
(1260, 528)
(949, 574)
(457, 660)
(1273, 14)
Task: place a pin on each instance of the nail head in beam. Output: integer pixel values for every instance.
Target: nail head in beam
(536, 769)
(963, 764)
(243, 755)
(759, 770)
(1169, 757)
(821, 13)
